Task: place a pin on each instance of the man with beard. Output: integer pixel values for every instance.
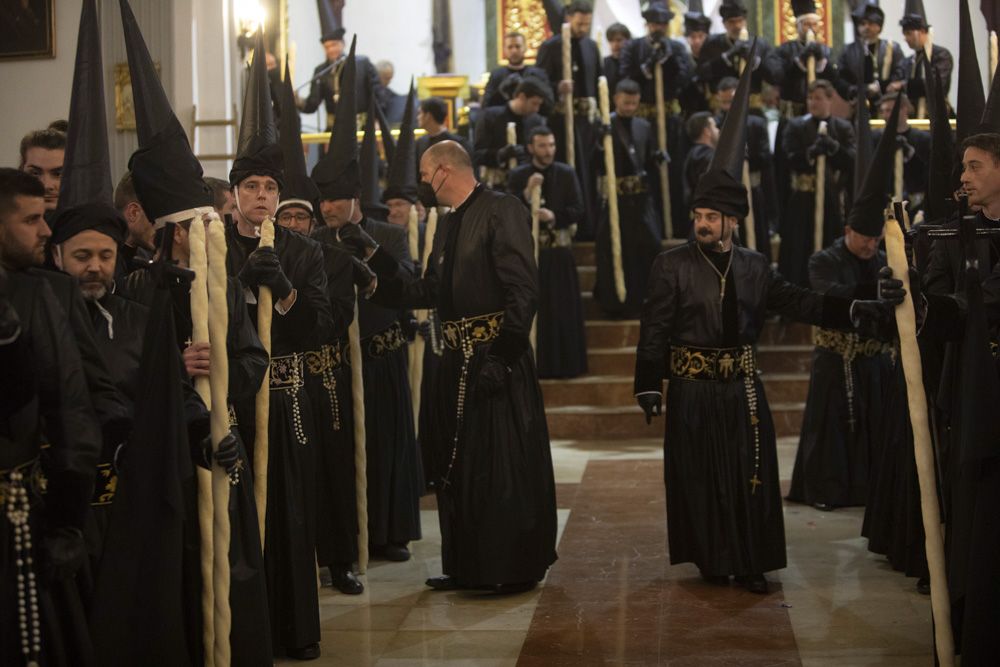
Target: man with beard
(636, 159)
(876, 59)
(514, 47)
(495, 488)
(561, 346)
(493, 153)
(720, 458)
(139, 239)
(42, 154)
(802, 144)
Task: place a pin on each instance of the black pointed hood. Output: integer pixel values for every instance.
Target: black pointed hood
(721, 187)
(554, 14)
(167, 176)
(914, 16)
(803, 7)
(865, 144)
(257, 149)
(990, 122)
(695, 19)
(85, 196)
(971, 98)
(388, 143)
(371, 191)
(299, 188)
(938, 205)
(867, 215)
(330, 27)
(336, 174)
(403, 166)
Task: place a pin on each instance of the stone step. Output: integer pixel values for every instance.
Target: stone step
(770, 359)
(617, 391)
(625, 333)
(585, 254)
(587, 422)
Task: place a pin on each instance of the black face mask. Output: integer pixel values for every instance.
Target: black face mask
(427, 193)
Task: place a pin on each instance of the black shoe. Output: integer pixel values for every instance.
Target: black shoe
(824, 507)
(716, 579)
(511, 589)
(755, 583)
(444, 583)
(397, 553)
(345, 581)
(924, 586)
(310, 652)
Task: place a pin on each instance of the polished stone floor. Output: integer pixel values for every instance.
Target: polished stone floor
(612, 598)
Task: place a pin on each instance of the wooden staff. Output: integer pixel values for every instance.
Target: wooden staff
(897, 175)
(661, 138)
(512, 141)
(811, 60)
(819, 207)
(360, 437)
(887, 62)
(614, 224)
(416, 348)
(994, 53)
(567, 75)
(749, 224)
(199, 334)
(218, 329)
(265, 303)
(536, 203)
(917, 401)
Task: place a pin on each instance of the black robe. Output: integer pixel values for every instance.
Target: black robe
(561, 345)
(497, 509)
(633, 142)
(763, 188)
(53, 405)
(916, 168)
(290, 521)
(913, 70)
(870, 59)
(696, 95)
(321, 91)
(491, 136)
(492, 94)
(797, 224)
(394, 474)
(841, 435)
(715, 518)
(713, 66)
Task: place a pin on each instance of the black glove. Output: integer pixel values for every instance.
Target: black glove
(227, 456)
(356, 240)
(263, 268)
(916, 88)
(890, 290)
(10, 323)
(816, 50)
(825, 145)
(600, 131)
(508, 153)
(651, 404)
(741, 49)
(661, 157)
(492, 377)
(363, 275)
(63, 553)
(409, 325)
(871, 314)
(424, 329)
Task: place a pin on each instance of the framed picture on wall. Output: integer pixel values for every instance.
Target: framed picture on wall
(28, 29)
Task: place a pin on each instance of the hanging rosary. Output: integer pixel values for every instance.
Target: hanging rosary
(722, 275)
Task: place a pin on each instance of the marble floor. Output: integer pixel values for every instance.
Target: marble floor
(612, 598)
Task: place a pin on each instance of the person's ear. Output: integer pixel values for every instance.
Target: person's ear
(57, 256)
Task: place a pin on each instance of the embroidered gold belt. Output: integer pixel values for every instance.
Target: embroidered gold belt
(713, 364)
(648, 111)
(381, 344)
(582, 106)
(802, 182)
(326, 358)
(851, 345)
(626, 185)
(286, 372)
(466, 333)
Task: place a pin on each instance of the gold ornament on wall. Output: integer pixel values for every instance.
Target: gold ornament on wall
(124, 103)
(526, 17)
(787, 31)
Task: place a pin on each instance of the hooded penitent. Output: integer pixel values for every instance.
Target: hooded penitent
(971, 98)
(85, 196)
(695, 19)
(939, 185)
(867, 215)
(371, 190)
(402, 182)
(257, 150)
(337, 174)
(863, 132)
(167, 176)
(721, 187)
(298, 189)
(914, 16)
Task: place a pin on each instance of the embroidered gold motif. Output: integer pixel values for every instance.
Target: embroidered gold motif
(381, 344)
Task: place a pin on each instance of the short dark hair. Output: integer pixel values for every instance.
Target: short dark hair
(436, 107)
(513, 34)
(48, 139)
(539, 131)
(125, 192)
(579, 7)
(822, 84)
(532, 87)
(627, 87)
(219, 189)
(618, 30)
(986, 141)
(60, 124)
(14, 183)
(727, 83)
(697, 123)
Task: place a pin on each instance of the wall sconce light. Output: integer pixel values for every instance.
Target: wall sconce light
(249, 17)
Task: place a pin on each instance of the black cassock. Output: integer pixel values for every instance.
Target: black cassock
(251, 636)
(394, 471)
(328, 380)
(290, 521)
(797, 222)
(879, 63)
(497, 509)
(323, 88)
(587, 69)
(763, 190)
(843, 422)
(916, 167)
(45, 368)
(714, 65)
(717, 517)
(492, 94)
(491, 136)
(634, 142)
(695, 165)
(560, 346)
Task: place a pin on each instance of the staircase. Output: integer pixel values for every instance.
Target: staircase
(601, 405)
